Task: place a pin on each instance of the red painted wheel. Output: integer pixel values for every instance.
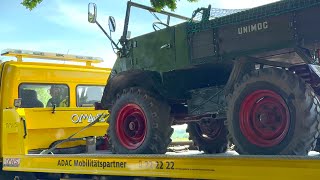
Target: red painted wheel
(273, 111)
(139, 123)
(131, 126)
(264, 118)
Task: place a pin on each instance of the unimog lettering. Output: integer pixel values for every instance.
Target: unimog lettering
(253, 28)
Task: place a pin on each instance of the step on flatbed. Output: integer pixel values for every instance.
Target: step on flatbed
(189, 164)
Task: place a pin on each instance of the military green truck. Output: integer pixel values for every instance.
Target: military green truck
(248, 78)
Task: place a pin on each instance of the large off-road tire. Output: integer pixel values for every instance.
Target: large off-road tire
(209, 136)
(273, 111)
(139, 123)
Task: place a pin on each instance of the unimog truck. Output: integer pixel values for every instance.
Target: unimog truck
(249, 78)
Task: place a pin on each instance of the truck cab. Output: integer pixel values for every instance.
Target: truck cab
(44, 103)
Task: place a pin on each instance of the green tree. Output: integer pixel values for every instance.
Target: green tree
(30, 4)
(157, 4)
(161, 4)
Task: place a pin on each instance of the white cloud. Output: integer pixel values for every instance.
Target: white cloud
(70, 16)
(74, 16)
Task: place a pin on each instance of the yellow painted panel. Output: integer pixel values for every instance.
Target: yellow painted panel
(13, 132)
(12, 122)
(45, 127)
(43, 138)
(199, 167)
(43, 118)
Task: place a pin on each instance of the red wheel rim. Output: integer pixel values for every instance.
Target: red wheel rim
(131, 126)
(264, 118)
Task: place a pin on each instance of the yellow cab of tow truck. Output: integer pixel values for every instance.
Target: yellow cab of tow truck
(44, 103)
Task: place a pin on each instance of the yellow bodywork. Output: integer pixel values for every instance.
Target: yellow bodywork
(27, 129)
(222, 167)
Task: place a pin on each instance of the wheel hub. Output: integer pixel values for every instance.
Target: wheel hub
(131, 126)
(264, 118)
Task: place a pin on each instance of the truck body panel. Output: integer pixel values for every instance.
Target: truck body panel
(173, 165)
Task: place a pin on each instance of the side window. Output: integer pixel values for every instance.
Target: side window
(87, 95)
(43, 95)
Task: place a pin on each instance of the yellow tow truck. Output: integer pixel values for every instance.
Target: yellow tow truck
(67, 140)
(43, 103)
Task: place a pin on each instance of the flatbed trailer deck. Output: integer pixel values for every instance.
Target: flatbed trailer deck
(189, 165)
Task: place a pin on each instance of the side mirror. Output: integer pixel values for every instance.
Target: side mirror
(17, 103)
(92, 12)
(112, 24)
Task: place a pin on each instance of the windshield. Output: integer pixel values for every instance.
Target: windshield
(143, 21)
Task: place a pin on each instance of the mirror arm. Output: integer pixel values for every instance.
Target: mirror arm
(126, 23)
(107, 35)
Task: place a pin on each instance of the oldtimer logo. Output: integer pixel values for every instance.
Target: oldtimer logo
(80, 118)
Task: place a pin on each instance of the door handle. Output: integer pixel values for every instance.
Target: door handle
(24, 127)
(166, 46)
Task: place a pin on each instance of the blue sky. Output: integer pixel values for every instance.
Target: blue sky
(61, 25)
